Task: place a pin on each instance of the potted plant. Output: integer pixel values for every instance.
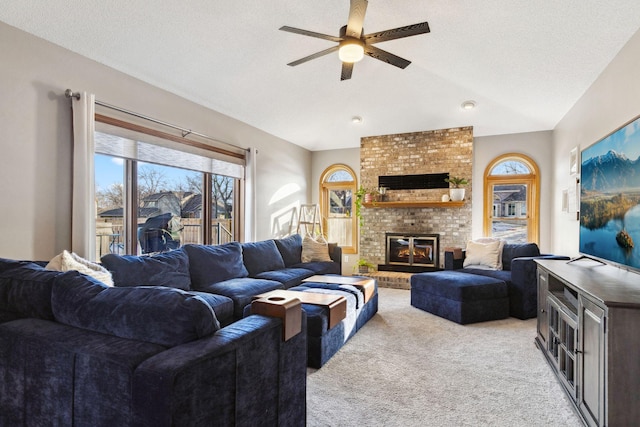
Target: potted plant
(363, 195)
(364, 266)
(456, 193)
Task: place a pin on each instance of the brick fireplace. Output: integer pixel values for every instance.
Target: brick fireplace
(431, 152)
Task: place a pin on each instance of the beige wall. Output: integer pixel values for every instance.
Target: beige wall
(321, 160)
(35, 142)
(611, 101)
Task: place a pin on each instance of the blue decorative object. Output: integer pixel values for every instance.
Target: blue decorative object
(169, 269)
(212, 264)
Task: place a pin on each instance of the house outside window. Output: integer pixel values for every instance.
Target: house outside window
(512, 199)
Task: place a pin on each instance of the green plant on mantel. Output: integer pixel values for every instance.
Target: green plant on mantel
(456, 181)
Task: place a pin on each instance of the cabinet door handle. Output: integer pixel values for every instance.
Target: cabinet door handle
(576, 351)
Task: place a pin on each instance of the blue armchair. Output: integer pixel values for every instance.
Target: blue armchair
(518, 272)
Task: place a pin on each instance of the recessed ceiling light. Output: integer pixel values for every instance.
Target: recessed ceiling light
(468, 105)
(356, 119)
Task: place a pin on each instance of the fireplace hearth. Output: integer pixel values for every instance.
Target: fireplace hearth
(411, 253)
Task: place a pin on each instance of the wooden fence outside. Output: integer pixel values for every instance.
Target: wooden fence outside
(109, 235)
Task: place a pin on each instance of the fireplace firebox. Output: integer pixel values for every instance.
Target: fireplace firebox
(411, 252)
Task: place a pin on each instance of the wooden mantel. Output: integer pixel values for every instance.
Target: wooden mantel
(414, 204)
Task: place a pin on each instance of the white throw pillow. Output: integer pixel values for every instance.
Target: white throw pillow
(494, 239)
(315, 249)
(71, 261)
(483, 254)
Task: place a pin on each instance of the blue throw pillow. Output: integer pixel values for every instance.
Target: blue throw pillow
(169, 269)
(515, 250)
(261, 256)
(213, 264)
(159, 315)
(291, 249)
(25, 289)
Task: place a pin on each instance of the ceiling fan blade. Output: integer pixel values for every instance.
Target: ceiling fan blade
(314, 56)
(397, 33)
(385, 56)
(310, 34)
(347, 69)
(356, 18)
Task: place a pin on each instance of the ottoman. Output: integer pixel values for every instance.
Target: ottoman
(324, 341)
(460, 297)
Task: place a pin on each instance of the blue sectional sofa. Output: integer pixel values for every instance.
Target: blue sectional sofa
(168, 345)
(227, 275)
(76, 352)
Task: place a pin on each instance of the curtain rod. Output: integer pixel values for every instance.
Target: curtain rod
(185, 132)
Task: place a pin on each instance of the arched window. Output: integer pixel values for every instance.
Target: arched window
(512, 201)
(337, 190)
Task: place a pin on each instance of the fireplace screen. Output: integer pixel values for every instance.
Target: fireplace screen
(414, 250)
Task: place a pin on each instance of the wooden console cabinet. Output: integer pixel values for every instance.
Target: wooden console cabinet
(589, 332)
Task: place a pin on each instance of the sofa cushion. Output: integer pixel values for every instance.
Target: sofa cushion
(159, 315)
(291, 249)
(315, 250)
(320, 267)
(169, 269)
(25, 290)
(287, 276)
(222, 306)
(261, 256)
(241, 291)
(503, 275)
(213, 264)
(485, 254)
(500, 249)
(515, 250)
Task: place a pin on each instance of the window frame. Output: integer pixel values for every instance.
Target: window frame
(531, 180)
(130, 181)
(325, 186)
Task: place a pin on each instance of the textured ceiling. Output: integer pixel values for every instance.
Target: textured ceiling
(525, 63)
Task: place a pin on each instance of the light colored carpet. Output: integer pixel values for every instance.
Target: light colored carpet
(406, 367)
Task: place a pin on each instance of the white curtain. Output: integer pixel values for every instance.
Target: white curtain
(250, 198)
(83, 209)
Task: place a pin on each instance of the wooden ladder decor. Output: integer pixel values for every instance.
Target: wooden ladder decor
(309, 221)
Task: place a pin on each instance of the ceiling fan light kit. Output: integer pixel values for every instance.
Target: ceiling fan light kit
(353, 44)
(351, 51)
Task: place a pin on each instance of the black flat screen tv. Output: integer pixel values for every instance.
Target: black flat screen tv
(610, 197)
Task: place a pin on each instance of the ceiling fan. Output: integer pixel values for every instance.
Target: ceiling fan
(353, 44)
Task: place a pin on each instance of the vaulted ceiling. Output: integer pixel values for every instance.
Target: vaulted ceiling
(524, 63)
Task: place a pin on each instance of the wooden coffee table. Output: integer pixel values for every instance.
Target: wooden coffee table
(366, 285)
(335, 304)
